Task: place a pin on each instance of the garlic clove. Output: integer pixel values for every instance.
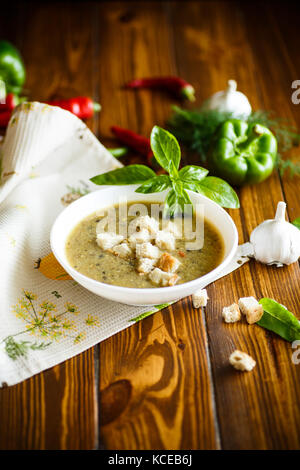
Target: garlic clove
(231, 101)
(276, 241)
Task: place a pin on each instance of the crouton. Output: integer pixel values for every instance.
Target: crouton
(251, 308)
(159, 277)
(165, 240)
(145, 265)
(144, 222)
(146, 250)
(242, 361)
(139, 237)
(108, 240)
(173, 227)
(200, 298)
(168, 263)
(231, 314)
(123, 250)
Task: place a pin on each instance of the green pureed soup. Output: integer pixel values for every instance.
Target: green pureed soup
(86, 256)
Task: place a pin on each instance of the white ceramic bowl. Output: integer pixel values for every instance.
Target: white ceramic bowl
(108, 196)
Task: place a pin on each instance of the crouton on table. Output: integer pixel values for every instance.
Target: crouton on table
(200, 298)
(241, 361)
(168, 263)
(231, 314)
(251, 308)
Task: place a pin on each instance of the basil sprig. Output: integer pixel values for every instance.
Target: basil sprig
(278, 319)
(167, 153)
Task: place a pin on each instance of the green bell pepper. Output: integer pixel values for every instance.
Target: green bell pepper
(12, 70)
(243, 153)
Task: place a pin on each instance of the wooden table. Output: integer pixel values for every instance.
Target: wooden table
(165, 383)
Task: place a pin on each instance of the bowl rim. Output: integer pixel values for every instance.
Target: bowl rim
(146, 290)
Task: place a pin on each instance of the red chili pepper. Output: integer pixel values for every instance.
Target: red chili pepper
(176, 85)
(82, 106)
(5, 117)
(136, 142)
(11, 101)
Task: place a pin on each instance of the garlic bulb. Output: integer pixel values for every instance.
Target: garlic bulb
(230, 101)
(276, 241)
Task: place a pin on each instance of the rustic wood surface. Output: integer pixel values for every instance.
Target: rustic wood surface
(165, 382)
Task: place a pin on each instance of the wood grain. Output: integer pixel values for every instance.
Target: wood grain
(52, 410)
(165, 382)
(151, 397)
(149, 370)
(58, 408)
(245, 398)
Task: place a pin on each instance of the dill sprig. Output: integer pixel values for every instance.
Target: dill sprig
(16, 349)
(196, 129)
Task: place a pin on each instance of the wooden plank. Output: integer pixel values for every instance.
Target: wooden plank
(130, 46)
(56, 409)
(155, 385)
(281, 58)
(154, 377)
(258, 410)
(52, 410)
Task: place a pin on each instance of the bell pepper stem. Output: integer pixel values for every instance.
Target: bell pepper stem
(96, 107)
(258, 129)
(188, 92)
(118, 152)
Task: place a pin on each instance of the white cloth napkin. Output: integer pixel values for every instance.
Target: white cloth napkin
(48, 154)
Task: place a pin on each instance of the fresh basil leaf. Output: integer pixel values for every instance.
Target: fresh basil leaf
(131, 174)
(155, 185)
(176, 201)
(181, 192)
(217, 190)
(186, 203)
(192, 173)
(296, 222)
(170, 205)
(192, 186)
(165, 149)
(278, 319)
(173, 172)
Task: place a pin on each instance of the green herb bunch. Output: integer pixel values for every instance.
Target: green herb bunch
(196, 128)
(167, 153)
